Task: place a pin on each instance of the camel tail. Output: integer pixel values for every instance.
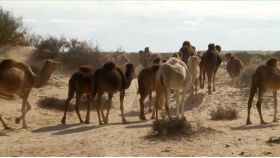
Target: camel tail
(253, 91)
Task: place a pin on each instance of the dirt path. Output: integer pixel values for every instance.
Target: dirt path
(47, 137)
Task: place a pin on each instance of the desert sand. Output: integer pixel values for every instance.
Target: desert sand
(48, 137)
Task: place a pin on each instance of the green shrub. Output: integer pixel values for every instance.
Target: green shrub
(224, 113)
(12, 30)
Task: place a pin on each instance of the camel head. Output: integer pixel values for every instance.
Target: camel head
(52, 65)
(211, 46)
(218, 48)
(228, 56)
(272, 62)
(130, 71)
(186, 43)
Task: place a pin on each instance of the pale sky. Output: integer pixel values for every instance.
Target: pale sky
(161, 25)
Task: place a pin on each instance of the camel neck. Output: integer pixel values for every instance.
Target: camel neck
(43, 77)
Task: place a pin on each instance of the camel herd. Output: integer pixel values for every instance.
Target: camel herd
(179, 74)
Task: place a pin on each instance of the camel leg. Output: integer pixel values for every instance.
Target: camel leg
(253, 91)
(157, 102)
(110, 97)
(67, 102)
(77, 106)
(25, 108)
(203, 79)
(150, 106)
(167, 103)
(122, 93)
(88, 109)
(177, 102)
(275, 106)
(182, 104)
(214, 77)
(259, 103)
(196, 82)
(100, 109)
(4, 124)
(141, 100)
(209, 76)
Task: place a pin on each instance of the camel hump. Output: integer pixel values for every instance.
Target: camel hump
(9, 63)
(85, 69)
(109, 66)
(155, 67)
(272, 62)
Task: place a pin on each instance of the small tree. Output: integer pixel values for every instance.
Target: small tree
(12, 30)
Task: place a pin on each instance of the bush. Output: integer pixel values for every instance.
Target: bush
(12, 30)
(224, 113)
(166, 127)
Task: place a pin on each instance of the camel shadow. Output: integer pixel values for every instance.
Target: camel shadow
(249, 127)
(139, 126)
(76, 130)
(189, 105)
(55, 127)
(120, 123)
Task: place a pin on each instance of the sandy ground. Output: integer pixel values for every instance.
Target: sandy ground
(47, 137)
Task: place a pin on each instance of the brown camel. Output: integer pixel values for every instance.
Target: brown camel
(187, 50)
(79, 83)
(265, 78)
(18, 78)
(147, 85)
(234, 67)
(210, 62)
(111, 79)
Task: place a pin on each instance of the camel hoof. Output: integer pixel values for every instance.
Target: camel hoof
(143, 118)
(124, 121)
(81, 121)
(87, 122)
(25, 127)
(101, 123)
(248, 122)
(8, 128)
(17, 120)
(263, 122)
(275, 120)
(63, 121)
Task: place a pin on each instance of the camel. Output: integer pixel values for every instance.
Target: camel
(187, 50)
(80, 83)
(172, 75)
(111, 79)
(193, 65)
(265, 78)
(17, 78)
(210, 62)
(234, 67)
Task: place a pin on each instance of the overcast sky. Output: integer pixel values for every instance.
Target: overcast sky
(161, 25)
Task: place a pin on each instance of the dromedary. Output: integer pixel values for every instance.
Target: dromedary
(172, 75)
(18, 78)
(187, 50)
(234, 67)
(193, 65)
(79, 83)
(111, 79)
(210, 62)
(265, 78)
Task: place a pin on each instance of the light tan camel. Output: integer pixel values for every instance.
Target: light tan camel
(172, 75)
(80, 83)
(111, 79)
(234, 68)
(265, 78)
(210, 62)
(193, 65)
(18, 78)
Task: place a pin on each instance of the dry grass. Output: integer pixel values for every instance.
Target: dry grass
(52, 103)
(224, 113)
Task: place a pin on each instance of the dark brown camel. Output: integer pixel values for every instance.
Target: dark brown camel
(234, 67)
(111, 79)
(265, 78)
(79, 83)
(187, 50)
(210, 62)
